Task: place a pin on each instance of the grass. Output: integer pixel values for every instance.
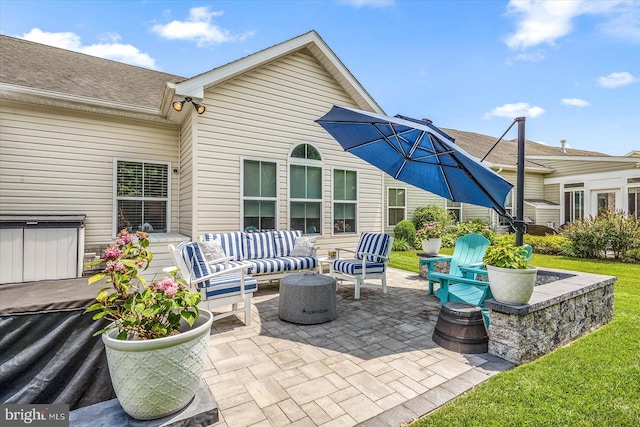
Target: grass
(594, 381)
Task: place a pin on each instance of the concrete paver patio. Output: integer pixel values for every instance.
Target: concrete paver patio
(375, 365)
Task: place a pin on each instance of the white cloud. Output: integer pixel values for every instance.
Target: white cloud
(511, 111)
(371, 3)
(617, 79)
(198, 27)
(541, 21)
(126, 53)
(575, 102)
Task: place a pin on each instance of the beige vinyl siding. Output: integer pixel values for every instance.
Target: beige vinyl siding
(580, 167)
(552, 193)
(186, 174)
(415, 198)
(263, 114)
(58, 161)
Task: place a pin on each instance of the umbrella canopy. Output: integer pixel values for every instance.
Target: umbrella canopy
(418, 153)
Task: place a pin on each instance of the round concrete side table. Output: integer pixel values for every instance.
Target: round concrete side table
(307, 299)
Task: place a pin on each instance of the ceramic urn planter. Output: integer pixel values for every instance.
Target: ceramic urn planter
(155, 378)
(432, 246)
(510, 285)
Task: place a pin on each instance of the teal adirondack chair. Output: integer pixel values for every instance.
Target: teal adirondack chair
(468, 252)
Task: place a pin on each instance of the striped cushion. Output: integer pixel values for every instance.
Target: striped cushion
(301, 263)
(284, 241)
(227, 284)
(258, 245)
(281, 264)
(374, 243)
(354, 266)
(232, 243)
(221, 266)
(194, 259)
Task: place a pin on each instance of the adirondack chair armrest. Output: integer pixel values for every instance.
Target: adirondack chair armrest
(471, 271)
(435, 276)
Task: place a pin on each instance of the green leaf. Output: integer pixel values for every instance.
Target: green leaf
(94, 307)
(98, 315)
(122, 335)
(96, 277)
(189, 316)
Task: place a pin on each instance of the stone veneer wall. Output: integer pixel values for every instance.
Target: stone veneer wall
(523, 333)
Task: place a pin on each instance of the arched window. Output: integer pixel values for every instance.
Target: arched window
(305, 189)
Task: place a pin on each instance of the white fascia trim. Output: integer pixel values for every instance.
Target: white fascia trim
(196, 86)
(623, 159)
(27, 94)
(607, 175)
(515, 167)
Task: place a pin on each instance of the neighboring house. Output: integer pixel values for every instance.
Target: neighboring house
(99, 140)
(561, 184)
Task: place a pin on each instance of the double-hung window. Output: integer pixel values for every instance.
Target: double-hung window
(454, 209)
(633, 198)
(345, 201)
(305, 189)
(396, 205)
(259, 195)
(142, 196)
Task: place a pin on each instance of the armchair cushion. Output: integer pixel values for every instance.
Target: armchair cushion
(373, 246)
(354, 267)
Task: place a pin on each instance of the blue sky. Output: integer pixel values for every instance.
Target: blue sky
(571, 67)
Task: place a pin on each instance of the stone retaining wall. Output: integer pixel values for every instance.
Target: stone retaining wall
(557, 313)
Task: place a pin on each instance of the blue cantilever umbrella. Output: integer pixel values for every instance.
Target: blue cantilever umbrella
(418, 153)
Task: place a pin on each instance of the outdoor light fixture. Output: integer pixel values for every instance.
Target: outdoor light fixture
(177, 105)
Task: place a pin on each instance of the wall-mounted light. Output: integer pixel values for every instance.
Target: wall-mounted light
(177, 105)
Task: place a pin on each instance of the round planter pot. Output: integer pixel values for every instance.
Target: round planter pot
(431, 246)
(512, 286)
(155, 378)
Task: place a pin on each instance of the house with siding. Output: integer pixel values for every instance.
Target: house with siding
(89, 146)
(89, 137)
(561, 184)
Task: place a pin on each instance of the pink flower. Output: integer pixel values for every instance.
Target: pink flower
(168, 286)
(115, 266)
(112, 252)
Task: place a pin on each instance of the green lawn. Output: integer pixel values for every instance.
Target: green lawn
(594, 381)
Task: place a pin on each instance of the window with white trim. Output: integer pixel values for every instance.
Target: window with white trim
(345, 201)
(454, 209)
(142, 196)
(573, 202)
(396, 205)
(508, 207)
(634, 201)
(305, 189)
(259, 194)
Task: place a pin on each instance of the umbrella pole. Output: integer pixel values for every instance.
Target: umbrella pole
(519, 223)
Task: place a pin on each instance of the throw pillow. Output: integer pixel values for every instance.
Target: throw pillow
(303, 246)
(212, 250)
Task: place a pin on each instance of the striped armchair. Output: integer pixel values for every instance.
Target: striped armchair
(220, 283)
(369, 262)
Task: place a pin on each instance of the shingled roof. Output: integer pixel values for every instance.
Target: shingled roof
(506, 152)
(39, 66)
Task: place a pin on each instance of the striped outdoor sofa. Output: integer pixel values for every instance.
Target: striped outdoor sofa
(268, 253)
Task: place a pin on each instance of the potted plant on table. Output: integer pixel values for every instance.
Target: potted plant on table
(157, 340)
(511, 279)
(431, 236)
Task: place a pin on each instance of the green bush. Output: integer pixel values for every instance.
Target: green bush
(431, 213)
(547, 245)
(460, 229)
(405, 230)
(400, 244)
(610, 231)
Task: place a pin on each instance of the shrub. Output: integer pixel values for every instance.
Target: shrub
(431, 213)
(405, 230)
(401, 244)
(547, 245)
(610, 231)
(460, 229)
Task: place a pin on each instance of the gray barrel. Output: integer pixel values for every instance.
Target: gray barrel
(460, 328)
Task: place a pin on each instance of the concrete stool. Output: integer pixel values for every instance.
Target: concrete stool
(307, 299)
